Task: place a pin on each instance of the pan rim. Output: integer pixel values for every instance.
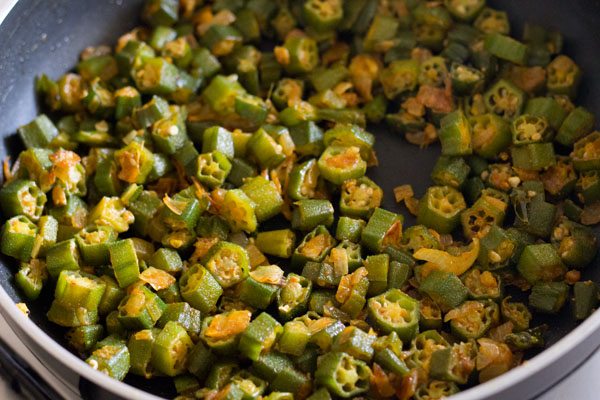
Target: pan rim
(64, 356)
(488, 389)
(519, 375)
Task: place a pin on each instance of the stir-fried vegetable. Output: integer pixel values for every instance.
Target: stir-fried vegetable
(198, 198)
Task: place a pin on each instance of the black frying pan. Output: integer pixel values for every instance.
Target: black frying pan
(46, 36)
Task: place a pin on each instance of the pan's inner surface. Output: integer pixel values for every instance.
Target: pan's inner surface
(46, 37)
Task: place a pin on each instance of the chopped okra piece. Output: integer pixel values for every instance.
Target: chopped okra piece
(506, 48)
(322, 274)
(94, 244)
(575, 244)
(483, 285)
(260, 335)
(227, 262)
(585, 155)
(339, 163)
(31, 278)
(166, 260)
(303, 180)
(564, 76)
(240, 170)
(430, 314)
(310, 213)
(472, 319)
(352, 292)
(135, 162)
(441, 208)
(480, 217)
(140, 350)
(535, 216)
(298, 54)
(264, 194)
(220, 94)
(496, 249)
(314, 247)
(548, 108)
(450, 171)
(184, 314)
(293, 297)
(377, 267)
(76, 299)
(505, 99)
(154, 110)
(343, 375)
(423, 347)
(360, 197)
(419, 237)
(251, 385)
(395, 311)
(585, 299)
(279, 243)
(560, 179)
(221, 39)
(124, 261)
(140, 309)
(239, 211)
(355, 342)
(453, 364)
(528, 339)
(548, 297)
(200, 359)
(63, 256)
(534, 156)
(492, 21)
(349, 229)
(588, 187)
(112, 296)
(265, 149)
(399, 77)
(156, 76)
(220, 374)
(111, 359)
(218, 139)
(541, 263)
(199, 288)
(445, 289)
(84, 338)
(294, 338)
(517, 313)
(170, 134)
(111, 212)
(528, 129)
(575, 126)
(38, 133)
(161, 12)
(181, 211)
(170, 349)
(22, 197)
(260, 289)
(455, 135)
(323, 15)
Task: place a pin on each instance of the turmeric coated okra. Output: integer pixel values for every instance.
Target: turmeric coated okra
(196, 198)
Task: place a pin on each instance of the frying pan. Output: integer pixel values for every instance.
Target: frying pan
(46, 36)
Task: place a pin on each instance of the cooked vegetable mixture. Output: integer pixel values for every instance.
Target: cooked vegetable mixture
(196, 198)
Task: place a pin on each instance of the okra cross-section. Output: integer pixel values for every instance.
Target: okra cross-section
(395, 311)
(441, 208)
(343, 375)
(227, 262)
